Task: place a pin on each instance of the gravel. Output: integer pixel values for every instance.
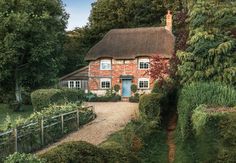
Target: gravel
(111, 117)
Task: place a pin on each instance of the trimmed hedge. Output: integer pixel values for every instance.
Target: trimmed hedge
(215, 134)
(195, 94)
(150, 106)
(87, 153)
(44, 97)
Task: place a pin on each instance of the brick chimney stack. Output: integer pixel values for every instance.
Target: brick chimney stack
(169, 21)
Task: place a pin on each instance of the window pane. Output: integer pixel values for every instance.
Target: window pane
(77, 84)
(106, 65)
(144, 65)
(71, 84)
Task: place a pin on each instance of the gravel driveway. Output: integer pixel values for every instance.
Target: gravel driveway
(111, 117)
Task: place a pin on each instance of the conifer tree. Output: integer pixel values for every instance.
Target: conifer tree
(211, 54)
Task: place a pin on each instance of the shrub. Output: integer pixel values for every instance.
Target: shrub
(85, 152)
(117, 88)
(114, 98)
(22, 158)
(134, 98)
(134, 88)
(195, 94)
(150, 106)
(44, 97)
(215, 134)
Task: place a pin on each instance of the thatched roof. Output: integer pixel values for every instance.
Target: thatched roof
(133, 42)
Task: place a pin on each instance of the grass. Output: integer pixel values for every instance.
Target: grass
(5, 110)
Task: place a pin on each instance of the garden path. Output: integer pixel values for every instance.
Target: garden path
(111, 117)
(170, 138)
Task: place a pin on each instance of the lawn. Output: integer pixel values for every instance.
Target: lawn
(5, 110)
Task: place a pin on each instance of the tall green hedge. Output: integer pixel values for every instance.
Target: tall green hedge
(195, 94)
(150, 106)
(44, 97)
(215, 134)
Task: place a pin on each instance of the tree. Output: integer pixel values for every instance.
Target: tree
(211, 52)
(32, 36)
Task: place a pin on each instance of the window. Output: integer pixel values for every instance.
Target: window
(74, 84)
(105, 64)
(143, 83)
(105, 83)
(143, 63)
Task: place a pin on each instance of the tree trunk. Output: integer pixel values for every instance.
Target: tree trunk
(18, 91)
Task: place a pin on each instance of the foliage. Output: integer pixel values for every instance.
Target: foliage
(195, 94)
(23, 158)
(139, 137)
(134, 88)
(134, 98)
(8, 115)
(215, 132)
(44, 97)
(159, 68)
(116, 88)
(85, 152)
(150, 106)
(109, 97)
(29, 130)
(31, 43)
(210, 55)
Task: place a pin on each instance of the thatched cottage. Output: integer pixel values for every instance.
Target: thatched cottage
(122, 58)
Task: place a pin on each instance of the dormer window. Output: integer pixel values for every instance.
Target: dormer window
(105, 64)
(143, 64)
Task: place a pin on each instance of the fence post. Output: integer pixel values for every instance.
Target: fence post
(62, 124)
(77, 115)
(15, 137)
(42, 131)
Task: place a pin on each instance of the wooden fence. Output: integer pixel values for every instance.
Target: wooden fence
(35, 135)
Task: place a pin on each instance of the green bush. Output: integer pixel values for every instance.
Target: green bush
(215, 134)
(117, 88)
(44, 97)
(23, 158)
(150, 106)
(114, 98)
(134, 88)
(85, 152)
(195, 94)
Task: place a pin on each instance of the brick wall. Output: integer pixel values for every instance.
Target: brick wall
(119, 67)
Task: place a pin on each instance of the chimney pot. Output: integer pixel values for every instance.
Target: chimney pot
(169, 21)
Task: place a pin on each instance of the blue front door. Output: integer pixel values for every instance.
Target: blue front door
(126, 88)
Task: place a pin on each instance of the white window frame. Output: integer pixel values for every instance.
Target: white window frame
(105, 80)
(143, 80)
(144, 60)
(105, 61)
(74, 84)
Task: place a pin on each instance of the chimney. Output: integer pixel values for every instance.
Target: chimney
(169, 21)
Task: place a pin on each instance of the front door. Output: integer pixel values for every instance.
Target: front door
(126, 88)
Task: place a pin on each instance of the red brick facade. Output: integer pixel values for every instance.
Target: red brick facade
(119, 67)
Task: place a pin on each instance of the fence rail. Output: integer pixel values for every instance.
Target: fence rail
(35, 135)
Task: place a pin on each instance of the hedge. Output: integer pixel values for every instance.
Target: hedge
(86, 153)
(195, 94)
(150, 106)
(115, 98)
(44, 97)
(215, 134)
